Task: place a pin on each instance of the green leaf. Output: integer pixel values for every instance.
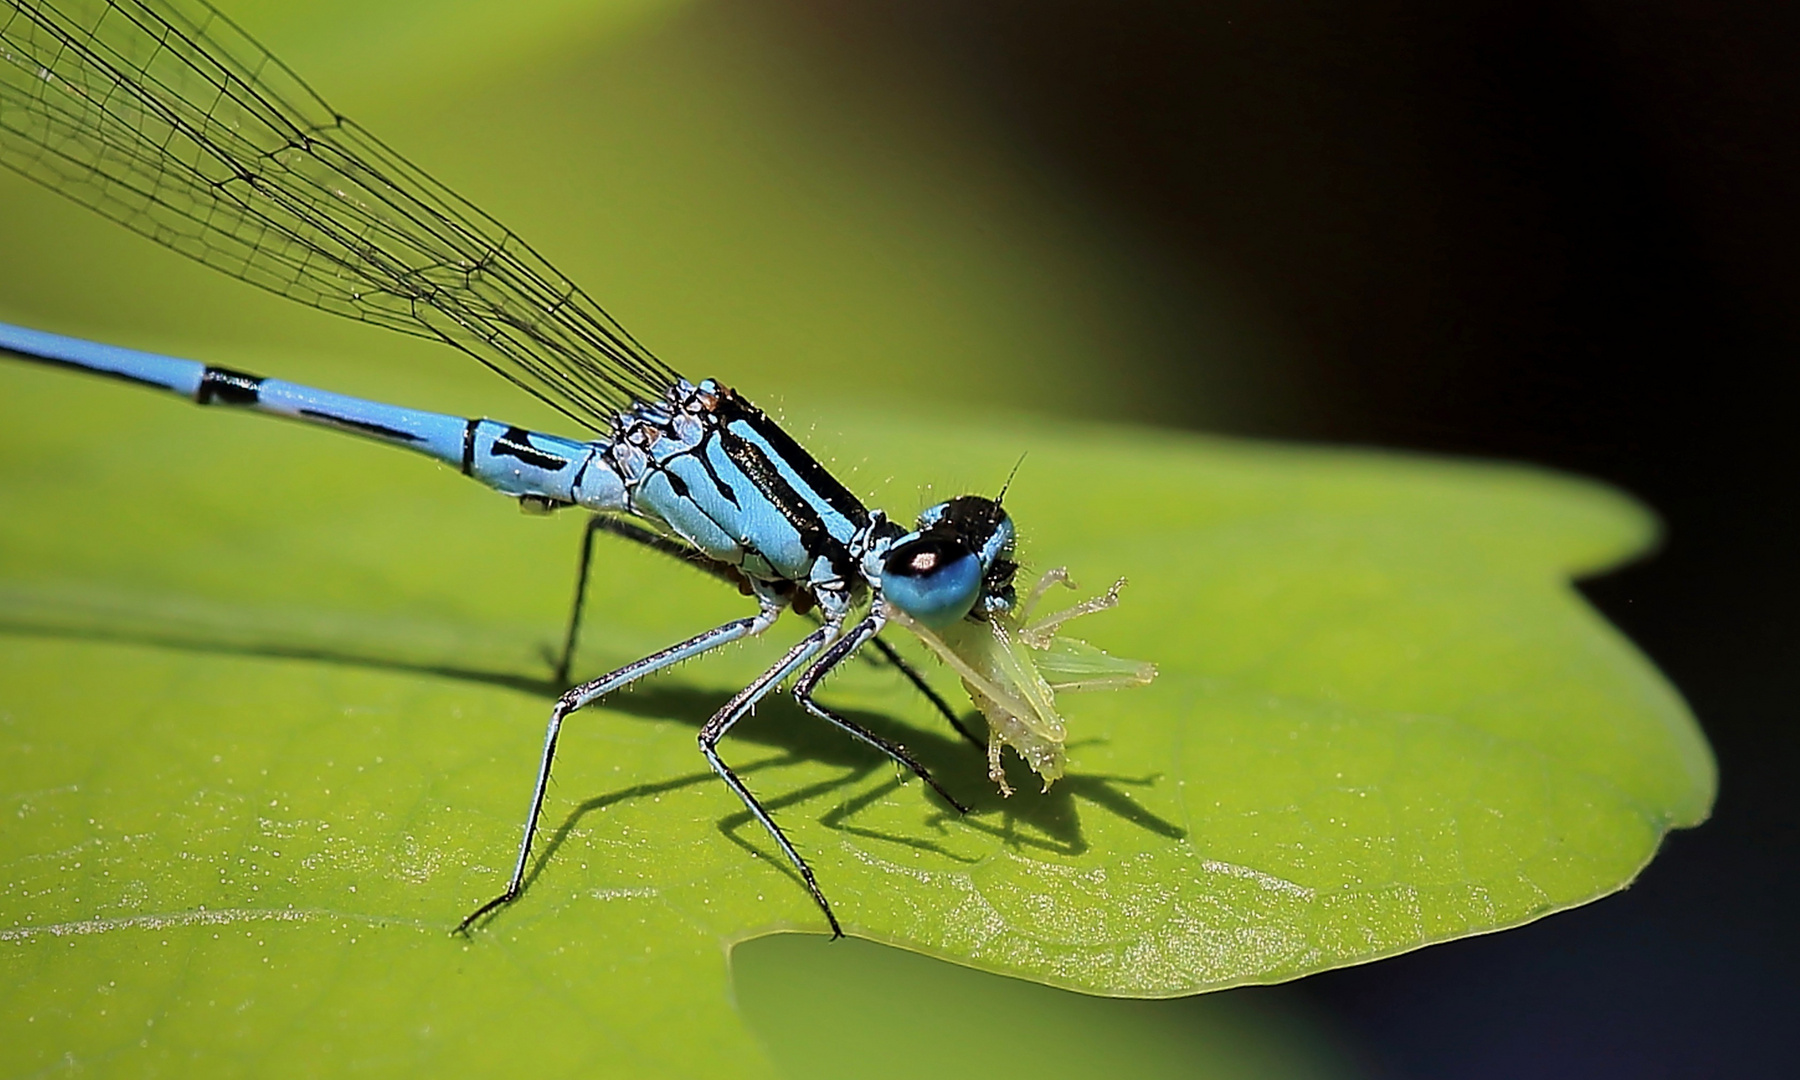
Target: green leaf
(270, 702)
(849, 1008)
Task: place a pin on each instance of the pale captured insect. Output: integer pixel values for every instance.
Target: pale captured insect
(166, 117)
(1013, 668)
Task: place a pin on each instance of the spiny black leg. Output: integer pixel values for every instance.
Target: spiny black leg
(581, 579)
(787, 847)
(893, 657)
(734, 710)
(587, 694)
(637, 534)
(675, 549)
(836, 655)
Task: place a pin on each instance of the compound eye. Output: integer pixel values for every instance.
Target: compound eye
(936, 580)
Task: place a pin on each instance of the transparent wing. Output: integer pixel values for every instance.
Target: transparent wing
(165, 117)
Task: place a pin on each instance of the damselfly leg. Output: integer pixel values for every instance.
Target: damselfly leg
(587, 694)
(892, 656)
(710, 478)
(863, 632)
(741, 704)
(637, 534)
(675, 549)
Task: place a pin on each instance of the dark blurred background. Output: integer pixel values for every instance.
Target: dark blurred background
(1559, 233)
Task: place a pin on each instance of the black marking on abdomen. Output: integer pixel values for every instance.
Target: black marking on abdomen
(515, 442)
(364, 427)
(468, 461)
(223, 385)
(122, 376)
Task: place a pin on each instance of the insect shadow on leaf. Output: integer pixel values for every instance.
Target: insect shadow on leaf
(1047, 821)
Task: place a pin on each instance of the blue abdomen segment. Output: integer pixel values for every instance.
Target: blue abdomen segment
(145, 369)
(432, 434)
(506, 458)
(519, 462)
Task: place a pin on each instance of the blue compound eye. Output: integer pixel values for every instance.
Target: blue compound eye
(934, 579)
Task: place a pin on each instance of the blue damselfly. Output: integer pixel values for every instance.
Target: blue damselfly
(166, 117)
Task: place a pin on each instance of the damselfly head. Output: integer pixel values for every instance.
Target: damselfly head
(956, 563)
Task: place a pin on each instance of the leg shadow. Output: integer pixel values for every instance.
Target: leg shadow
(1046, 821)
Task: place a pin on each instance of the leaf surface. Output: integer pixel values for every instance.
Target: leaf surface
(270, 699)
(271, 702)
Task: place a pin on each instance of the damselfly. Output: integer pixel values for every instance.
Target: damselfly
(166, 117)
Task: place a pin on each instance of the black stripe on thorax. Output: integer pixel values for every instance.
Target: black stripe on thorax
(712, 473)
(225, 386)
(801, 514)
(732, 409)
